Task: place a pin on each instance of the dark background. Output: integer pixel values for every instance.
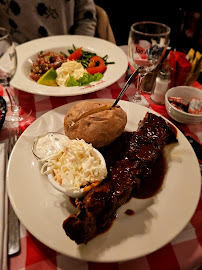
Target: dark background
(186, 24)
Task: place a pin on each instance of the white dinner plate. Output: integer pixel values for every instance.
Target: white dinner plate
(157, 220)
(27, 53)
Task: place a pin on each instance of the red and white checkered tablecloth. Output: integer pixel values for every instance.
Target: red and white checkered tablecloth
(184, 252)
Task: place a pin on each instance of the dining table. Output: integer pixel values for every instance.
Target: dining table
(184, 252)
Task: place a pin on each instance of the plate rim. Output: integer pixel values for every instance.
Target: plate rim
(197, 196)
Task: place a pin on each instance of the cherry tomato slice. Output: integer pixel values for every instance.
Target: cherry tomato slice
(97, 59)
(93, 70)
(101, 68)
(76, 54)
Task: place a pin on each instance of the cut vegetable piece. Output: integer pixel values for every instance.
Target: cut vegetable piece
(48, 78)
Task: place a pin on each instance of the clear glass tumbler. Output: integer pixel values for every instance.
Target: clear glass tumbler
(147, 45)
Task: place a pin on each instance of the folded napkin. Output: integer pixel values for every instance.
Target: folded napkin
(185, 68)
(180, 68)
(3, 208)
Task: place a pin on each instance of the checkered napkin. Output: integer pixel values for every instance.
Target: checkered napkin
(3, 208)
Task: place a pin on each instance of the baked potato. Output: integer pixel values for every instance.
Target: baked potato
(95, 122)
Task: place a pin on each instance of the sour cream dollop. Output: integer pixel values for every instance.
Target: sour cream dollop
(48, 145)
(68, 68)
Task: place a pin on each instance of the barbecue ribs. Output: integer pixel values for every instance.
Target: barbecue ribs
(99, 206)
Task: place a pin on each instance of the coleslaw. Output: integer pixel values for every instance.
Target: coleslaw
(76, 166)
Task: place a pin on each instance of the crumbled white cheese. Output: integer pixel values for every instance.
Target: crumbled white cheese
(68, 68)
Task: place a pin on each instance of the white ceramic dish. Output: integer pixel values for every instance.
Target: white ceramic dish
(156, 222)
(54, 142)
(186, 92)
(27, 53)
(76, 193)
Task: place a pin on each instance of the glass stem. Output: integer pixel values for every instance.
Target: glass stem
(137, 96)
(15, 108)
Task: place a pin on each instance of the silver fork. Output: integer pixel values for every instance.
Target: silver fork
(13, 222)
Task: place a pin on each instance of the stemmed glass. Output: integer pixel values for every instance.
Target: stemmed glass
(147, 45)
(8, 64)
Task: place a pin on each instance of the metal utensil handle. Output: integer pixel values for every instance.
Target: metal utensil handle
(13, 222)
(14, 233)
(127, 84)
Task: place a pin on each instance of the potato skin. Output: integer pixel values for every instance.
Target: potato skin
(99, 128)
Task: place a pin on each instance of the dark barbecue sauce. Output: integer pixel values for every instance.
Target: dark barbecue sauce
(107, 227)
(151, 184)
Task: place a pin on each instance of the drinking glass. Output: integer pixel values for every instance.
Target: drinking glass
(147, 45)
(8, 64)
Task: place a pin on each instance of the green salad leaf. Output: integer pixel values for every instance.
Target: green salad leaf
(86, 79)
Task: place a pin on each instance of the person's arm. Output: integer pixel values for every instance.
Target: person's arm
(85, 17)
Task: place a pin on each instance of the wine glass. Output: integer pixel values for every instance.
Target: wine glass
(8, 64)
(147, 45)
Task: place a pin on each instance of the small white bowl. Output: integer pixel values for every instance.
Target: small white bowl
(185, 92)
(76, 193)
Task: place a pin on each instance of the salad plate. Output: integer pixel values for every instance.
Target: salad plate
(27, 54)
(157, 220)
